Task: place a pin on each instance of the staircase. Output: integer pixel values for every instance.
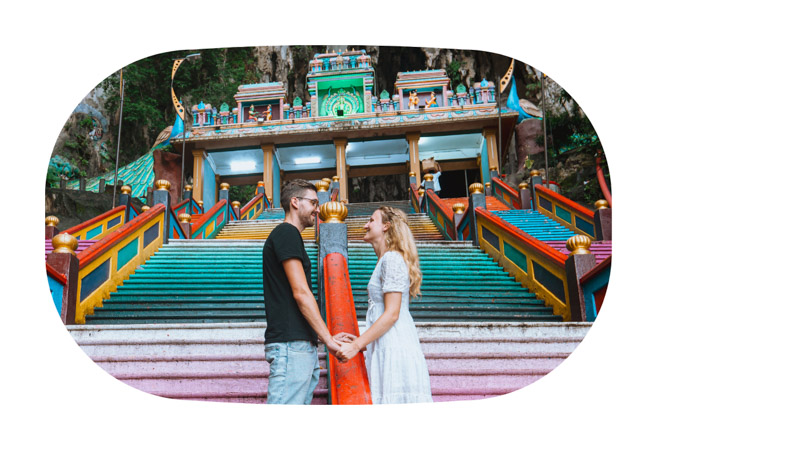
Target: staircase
(258, 229)
(209, 362)
(272, 214)
(225, 362)
(366, 209)
(191, 281)
(422, 227)
(459, 283)
(536, 224)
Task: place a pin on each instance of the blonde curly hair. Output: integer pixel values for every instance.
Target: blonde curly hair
(400, 239)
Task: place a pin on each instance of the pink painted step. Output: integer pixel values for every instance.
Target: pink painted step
(601, 249)
(82, 245)
(225, 362)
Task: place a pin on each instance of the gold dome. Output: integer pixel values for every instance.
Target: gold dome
(188, 187)
(322, 185)
(579, 245)
(329, 181)
(523, 185)
(475, 188)
(333, 212)
(185, 218)
(145, 208)
(601, 204)
(269, 198)
(260, 183)
(224, 186)
(335, 180)
(421, 191)
(125, 190)
(51, 221)
(163, 185)
(459, 208)
(428, 177)
(236, 204)
(535, 173)
(200, 203)
(493, 168)
(412, 174)
(64, 243)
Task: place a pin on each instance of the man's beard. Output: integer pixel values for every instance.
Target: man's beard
(310, 220)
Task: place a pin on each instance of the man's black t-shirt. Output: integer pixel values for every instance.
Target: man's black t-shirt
(285, 322)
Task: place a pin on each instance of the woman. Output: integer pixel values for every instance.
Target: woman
(395, 364)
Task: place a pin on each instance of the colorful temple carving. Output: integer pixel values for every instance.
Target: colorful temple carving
(347, 128)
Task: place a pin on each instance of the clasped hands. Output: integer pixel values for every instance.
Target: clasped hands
(347, 346)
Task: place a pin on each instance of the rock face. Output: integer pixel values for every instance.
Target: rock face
(74, 207)
(167, 166)
(527, 134)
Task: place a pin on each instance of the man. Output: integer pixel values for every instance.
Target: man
(293, 319)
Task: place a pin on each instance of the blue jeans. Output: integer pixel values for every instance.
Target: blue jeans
(293, 372)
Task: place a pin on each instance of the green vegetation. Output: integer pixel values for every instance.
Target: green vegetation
(148, 109)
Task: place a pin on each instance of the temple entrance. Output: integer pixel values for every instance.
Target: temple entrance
(455, 183)
(379, 188)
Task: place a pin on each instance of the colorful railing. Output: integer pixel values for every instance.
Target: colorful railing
(441, 215)
(463, 227)
(209, 224)
(253, 208)
(506, 194)
(175, 230)
(536, 265)
(564, 211)
(348, 382)
(107, 263)
(415, 198)
(188, 206)
(57, 282)
(99, 226)
(594, 284)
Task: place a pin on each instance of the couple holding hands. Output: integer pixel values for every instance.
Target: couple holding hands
(395, 363)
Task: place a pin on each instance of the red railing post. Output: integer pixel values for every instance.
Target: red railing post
(579, 262)
(64, 261)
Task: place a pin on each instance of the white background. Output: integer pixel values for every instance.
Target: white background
(696, 106)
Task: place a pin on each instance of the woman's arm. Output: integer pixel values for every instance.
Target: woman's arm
(391, 301)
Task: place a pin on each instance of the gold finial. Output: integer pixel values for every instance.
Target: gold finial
(333, 212)
(579, 245)
(236, 204)
(64, 243)
(200, 203)
(475, 188)
(51, 221)
(163, 185)
(412, 174)
(185, 218)
(535, 173)
(421, 191)
(322, 185)
(329, 181)
(459, 208)
(428, 177)
(260, 183)
(188, 187)
(224, 186)
(488, 185)
(493, 169)
(601, 204)
(269, 198)
(523, 185)
(145, 208)
(125, 190)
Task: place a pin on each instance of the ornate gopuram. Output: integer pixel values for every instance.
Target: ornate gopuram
(348, 128)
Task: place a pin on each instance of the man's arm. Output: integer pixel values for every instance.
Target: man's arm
(306, 302)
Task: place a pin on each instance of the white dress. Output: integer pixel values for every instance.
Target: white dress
(395, 364)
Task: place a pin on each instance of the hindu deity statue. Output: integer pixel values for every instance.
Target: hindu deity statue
(432, 102)
(413, 101)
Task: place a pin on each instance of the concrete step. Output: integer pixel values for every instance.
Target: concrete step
(225, 361)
